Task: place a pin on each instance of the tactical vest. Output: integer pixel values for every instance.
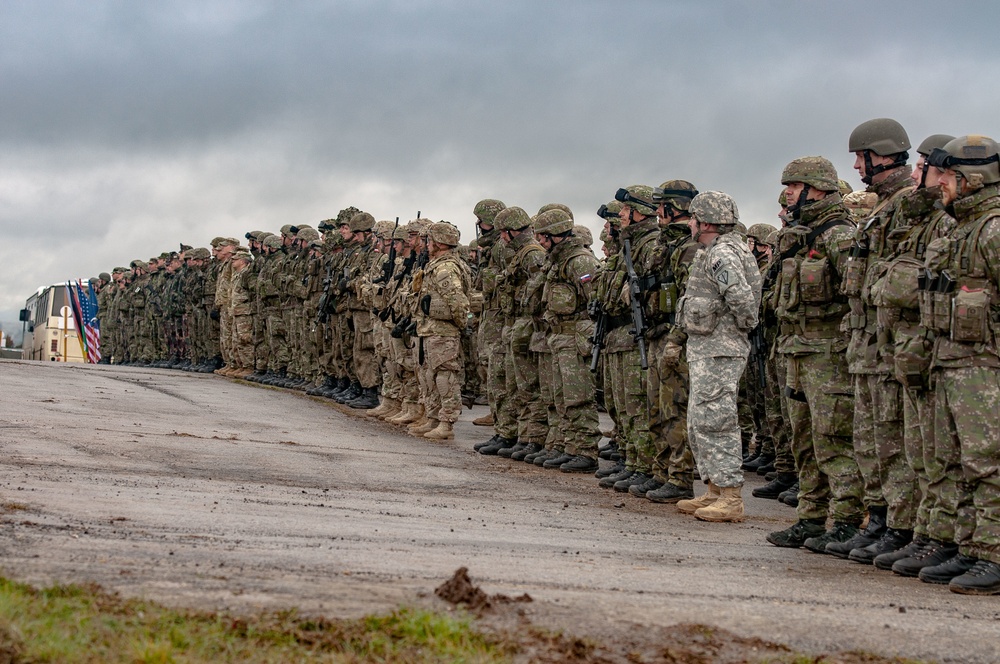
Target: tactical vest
(563, 295)
(809, 301)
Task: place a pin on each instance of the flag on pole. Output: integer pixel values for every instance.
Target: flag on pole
(84, 306)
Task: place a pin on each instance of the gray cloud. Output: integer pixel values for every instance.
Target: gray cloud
(127, 127)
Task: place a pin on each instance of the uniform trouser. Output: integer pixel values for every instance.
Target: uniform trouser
(713, 425)
(242, 356)
(502, 399)
(443, 362)
(290, 341)
(555, 438)
(865, 453)
(276, 341)
(526, 398)
(753, 417)
(821, 416)
(421, 367)
(628, 387)
(667, 394)
(344, 341)
(409, 386)
(573, 388)
(260, 347)
(386, 352)
(470, 359)
(967, 443)
(365, 365)
(899, 482)
(778, 420)
(918, 439)
(226, 336)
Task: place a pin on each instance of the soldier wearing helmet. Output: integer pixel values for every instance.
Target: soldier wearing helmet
(717, 311)
(808, 272)
(443, 312)
(612, 225)
(525, 259)
(960, 306)
(889, 485)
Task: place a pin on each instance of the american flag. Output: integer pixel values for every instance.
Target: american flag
(84, 305)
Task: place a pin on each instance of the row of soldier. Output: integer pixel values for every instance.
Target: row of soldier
(874, 368)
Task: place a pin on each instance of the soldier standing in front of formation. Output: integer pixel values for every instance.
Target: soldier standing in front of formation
(960, 304)
(719, 307)
(443, 310)
(813, 250)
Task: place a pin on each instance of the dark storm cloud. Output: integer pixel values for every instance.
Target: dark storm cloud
(127, 127)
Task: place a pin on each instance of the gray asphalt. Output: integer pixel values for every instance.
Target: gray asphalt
(197, 491)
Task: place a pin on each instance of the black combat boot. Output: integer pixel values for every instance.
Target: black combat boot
(579, 464)
(669, 493)
(982, 579)
(891, 540)
(797, 535)
(955, 566)
(773, 489)
(530, 448)
(887, 560)
(610, 470)
(350, 394)
(635, 478)
(754, 462)
(366, 401)
(608, 451)
(841, 532)
(934, 552)
(640, 490)
(542, 452)
(501, 442)
(790, 497)
(508, 452)
(555, 462)
(486, 443)
(610, 481)
(871, 534)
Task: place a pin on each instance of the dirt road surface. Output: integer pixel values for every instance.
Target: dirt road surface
(197, 491)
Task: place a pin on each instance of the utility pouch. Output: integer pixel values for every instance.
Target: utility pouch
(941, 311)
(854, 274)
(815, 285)
(970, 312)
(788, 289)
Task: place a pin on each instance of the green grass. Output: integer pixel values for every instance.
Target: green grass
(84, 624)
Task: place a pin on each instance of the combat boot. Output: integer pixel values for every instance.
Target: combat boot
(872, 533)
(388, 405)
(412, 412)
(934, 552)
(501, 443)
(775, 487)
(542, 457)
(367, 400)
(841, 532)
(484, 421)
(954, 567)
(887, 560)
(728, 507)
(423, 427)
(751, 465)
(610, 481)
(640, 490)
(530, 458)
(579, 464)
(443, 431)
(531, 448)
(704, 500)
(669, 493)
(610, 470)
(790, 497)
(508, 452)
(635, 478)
(340, 385)
(890, 541)
(608, 451)
(486, 443)
(982, 579)
(395, 408)
(352, 393)
(557, 461)
(797, 535)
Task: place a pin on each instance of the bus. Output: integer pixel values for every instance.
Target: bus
(51, 334)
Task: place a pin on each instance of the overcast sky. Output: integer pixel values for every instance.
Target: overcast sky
(128, 127)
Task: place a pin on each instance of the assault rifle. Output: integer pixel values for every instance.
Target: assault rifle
(389, 264)
(758, 351)
(600, 317)
(635, 289)
(327, 301)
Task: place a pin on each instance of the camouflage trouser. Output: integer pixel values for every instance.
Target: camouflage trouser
(628, 391)
(778, 420)
(260, 347)
(526, 399)
(276, 341)
(573, 390)
(864, 440)
(821, 415)
(290, 340)
(470, 354)
(667, 394)
(502, 399)
(443, 362)
(918, 439)
(554, 438)
(226, 336)
(753, 417)
(967, 443)
(343, 341)
(713, 423)
(242, 357)
(365, 364)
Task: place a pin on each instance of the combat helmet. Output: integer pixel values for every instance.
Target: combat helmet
(716, 208)
(639, 197)
(384, 228)
(584, 234)
(555, 206)
(361, 222)
(886, 138)
(609, 213)
(487, 209)
(512, 219)
(675, 194)
(974, 157)
(445, 233)
(925, 149)
(553, 222)
(763, 233)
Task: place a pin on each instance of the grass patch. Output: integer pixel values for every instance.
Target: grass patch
(85, 624)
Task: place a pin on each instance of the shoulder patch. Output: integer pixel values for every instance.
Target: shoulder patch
(717, 265)
(723, 277)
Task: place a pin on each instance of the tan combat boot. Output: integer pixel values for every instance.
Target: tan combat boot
(704, 500)
(443, 431)
(383, 407)
(420, 428)
(395, 408)
(412, 412)
(484, 421)
(729, 506)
